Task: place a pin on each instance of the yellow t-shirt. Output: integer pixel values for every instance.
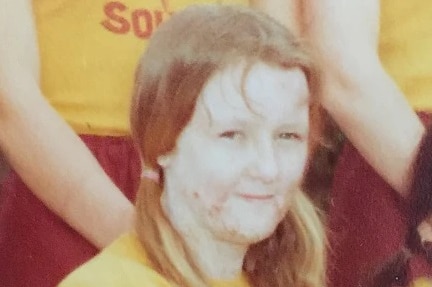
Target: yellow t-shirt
(89, 50)
(406, 48)
(422, 282)
(124, 263)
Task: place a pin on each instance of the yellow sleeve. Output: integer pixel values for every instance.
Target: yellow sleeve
(422, 282)
(405, 48)
(109, 271)
(123, 263)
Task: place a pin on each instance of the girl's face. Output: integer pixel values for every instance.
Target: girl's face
(239, 162)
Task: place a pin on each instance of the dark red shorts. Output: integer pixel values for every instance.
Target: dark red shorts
(36, 247)
(367, 221)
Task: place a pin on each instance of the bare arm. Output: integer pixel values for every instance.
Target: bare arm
(287, 12)
(42, 148)
(357, 92)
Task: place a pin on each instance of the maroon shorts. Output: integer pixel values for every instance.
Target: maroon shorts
(36, 247)
(367, 222)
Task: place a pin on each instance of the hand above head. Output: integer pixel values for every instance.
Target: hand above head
(342, 30)
(357, 91)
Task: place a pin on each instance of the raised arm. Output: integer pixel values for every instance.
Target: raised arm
(42, 148)
(287, 12)
(357, 92)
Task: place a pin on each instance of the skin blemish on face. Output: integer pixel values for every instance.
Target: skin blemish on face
(215, 209)
(238, 188)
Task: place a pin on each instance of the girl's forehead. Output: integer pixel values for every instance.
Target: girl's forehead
(261, 90)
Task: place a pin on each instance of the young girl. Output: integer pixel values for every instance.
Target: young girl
(224, 119)
(66, 68)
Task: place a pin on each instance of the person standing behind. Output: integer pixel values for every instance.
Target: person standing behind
(368, 213)
(68, 64)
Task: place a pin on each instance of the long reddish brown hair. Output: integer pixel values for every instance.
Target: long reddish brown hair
(181, 57)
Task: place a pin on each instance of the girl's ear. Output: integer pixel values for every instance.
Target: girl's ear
(164, 160)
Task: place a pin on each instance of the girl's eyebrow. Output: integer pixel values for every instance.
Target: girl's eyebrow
(299, 128)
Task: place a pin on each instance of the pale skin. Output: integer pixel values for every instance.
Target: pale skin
(360, 95)
(24, 111)
(42, 148)
(236, 168)
(357, 92)
(287, 12)
(71, 182)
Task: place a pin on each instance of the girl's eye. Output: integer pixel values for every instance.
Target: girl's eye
(290, 136)
(230, 134)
